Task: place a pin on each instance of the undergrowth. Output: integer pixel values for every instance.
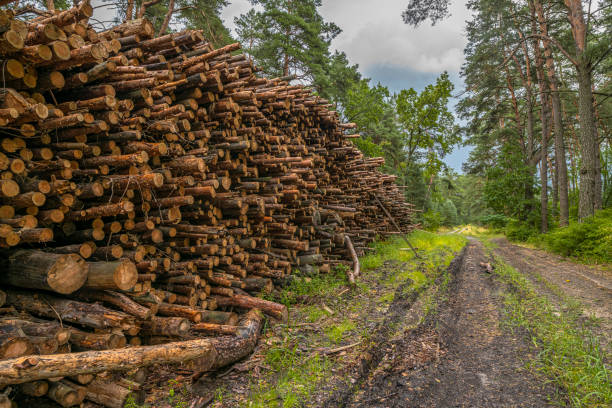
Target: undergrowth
(589, 241)
(567, 351)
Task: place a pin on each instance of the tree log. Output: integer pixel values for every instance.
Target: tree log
(41, 270)
(121, 275)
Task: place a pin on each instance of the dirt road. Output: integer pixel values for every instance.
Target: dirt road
(462, 358)
(590, 285)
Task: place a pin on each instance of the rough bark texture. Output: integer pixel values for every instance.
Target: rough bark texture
(590, 196)
(557, 109)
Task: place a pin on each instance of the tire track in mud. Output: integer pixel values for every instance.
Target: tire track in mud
(459, 357)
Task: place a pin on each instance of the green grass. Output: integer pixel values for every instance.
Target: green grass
(589, 241)
(320, 286)
(298, 377)
(296, 372)
(427, 243)
(567, 351)
(314, 313)
(336, 332)
(178, 397)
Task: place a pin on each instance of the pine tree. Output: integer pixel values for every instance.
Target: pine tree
(288, 37)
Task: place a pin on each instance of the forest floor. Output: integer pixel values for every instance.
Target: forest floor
(472, 323)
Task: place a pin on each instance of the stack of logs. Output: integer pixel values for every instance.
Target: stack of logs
(152, 187)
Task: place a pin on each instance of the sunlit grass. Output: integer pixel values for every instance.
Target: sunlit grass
(397, 249)
(298, 378)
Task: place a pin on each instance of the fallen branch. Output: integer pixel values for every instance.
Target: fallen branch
(355, 273)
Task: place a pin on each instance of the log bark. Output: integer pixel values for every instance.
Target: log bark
(85, 314)
(276, 310)
(41, 270)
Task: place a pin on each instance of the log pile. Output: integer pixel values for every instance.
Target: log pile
(152, 187)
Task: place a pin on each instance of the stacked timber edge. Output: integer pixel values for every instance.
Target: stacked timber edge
(151, 189)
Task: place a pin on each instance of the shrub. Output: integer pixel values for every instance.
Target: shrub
(494, 220)
(519, 231)
(432, 220)
(590, 240)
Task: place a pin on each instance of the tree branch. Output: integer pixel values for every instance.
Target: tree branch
(143, 7)
(164, 25)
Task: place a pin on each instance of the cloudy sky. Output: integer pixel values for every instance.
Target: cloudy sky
(387, 50)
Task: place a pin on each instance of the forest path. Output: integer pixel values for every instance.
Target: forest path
(462, 357)
(589, 285)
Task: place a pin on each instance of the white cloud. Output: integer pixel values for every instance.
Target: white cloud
(374, 34)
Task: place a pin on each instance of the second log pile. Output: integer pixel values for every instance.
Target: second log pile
(152, 186)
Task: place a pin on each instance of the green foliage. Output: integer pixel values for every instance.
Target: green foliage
(288, 37)
(298, 377)
(519, 231)
(590, 240)
(497, 221)
(317, 286)
(202, 15)
(567, 351)
(365, 104)
(448, 213)
(426, 243)
(418, 11)
(431, 220)
(507, 183)
(427, 124)
(205, 15)
(340, 76)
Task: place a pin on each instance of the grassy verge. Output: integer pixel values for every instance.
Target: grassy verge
(567, 351)
(326, 315)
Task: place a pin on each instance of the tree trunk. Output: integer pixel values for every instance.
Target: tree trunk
(209, 353)
(129, 11)
(121, 275)
(108, 394)
(589, 196)
(590, 154)
(85, 314)
(560, 159)
(539, 63)
(530, 153)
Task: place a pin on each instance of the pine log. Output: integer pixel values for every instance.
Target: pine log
(85, 314)
(41, 270)
(276, 310)
(107, 394)
(121, 275)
